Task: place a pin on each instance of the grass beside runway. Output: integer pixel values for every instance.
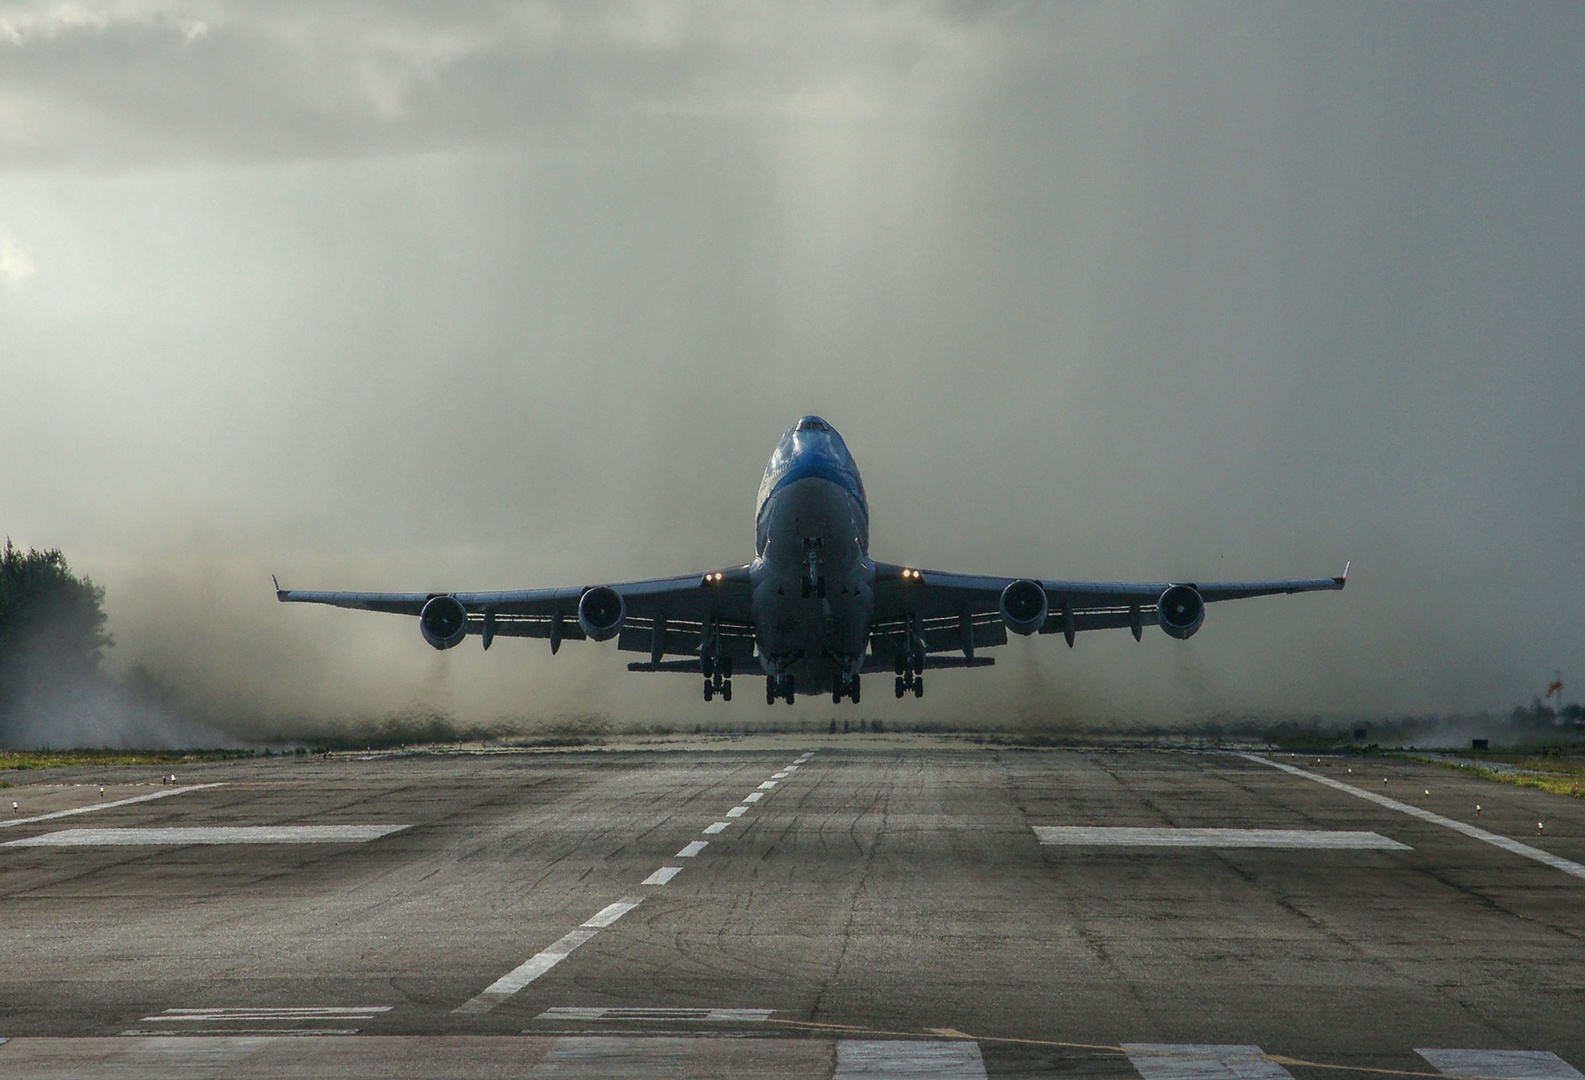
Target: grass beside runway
(60, 759)
(1555, 775)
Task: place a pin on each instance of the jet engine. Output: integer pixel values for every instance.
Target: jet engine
(1024, 607)
(601, 611)
(443, 622)
(1180, 611)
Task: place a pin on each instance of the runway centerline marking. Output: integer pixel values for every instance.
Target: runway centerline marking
(737, 811)
(612, 912)
(753, 796)
(1088, 835)
(767, 785)
(217, 834)
(906, 1059)
(1190, 1061)
(718, 827)
(524, 973)
(661, 876)
(1502, 1064)
(719, 1016)
(1557, 862)
(13, 822)
(693, 848)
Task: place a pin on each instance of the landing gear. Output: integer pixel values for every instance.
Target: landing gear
(908, 669)
(717, 677)
(900, 686)
(842, 684)
(781, 687)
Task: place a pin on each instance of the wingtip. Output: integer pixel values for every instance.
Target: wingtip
(1344, 579)
(280, 593)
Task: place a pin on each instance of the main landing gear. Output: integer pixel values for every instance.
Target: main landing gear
(844, 684)
(778, 687)
(908, 676)
(718, 678)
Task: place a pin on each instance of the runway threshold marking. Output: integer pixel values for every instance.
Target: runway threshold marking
(219, 834)
(1192, 1061)
(1501, 1064)
(1087, 835)
(905, 1059)
(1568, 866)
(541, 962)
(13, 822)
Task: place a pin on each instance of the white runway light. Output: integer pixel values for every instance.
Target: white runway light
(218, 834)
(1089, 835)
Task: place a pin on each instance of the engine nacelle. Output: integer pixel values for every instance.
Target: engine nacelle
(601, 612)
(443, 622)
(1180, 611)
(1024, 607)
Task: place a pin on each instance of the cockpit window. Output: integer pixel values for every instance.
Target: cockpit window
(812, 423)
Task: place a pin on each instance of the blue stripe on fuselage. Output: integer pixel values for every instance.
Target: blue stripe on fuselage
(811, 453)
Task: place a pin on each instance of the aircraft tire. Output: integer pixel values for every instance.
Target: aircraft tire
(709, 690)
(770, 690)
(919, 687)
(898, 686)
(854, 693)
(726, 690)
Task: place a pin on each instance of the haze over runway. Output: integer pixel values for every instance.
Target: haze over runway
(870, 906)
(470, 296)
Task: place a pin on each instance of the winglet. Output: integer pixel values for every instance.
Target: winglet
(280, 593)
(1344, 579)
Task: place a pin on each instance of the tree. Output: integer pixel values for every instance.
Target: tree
(52, 625)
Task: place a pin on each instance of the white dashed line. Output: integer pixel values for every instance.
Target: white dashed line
(1568, 866)
(612, 912)
(1502, 1064)
(661, 876)
(524, 973)
(693, 848)
(767, 785)
(737, 811)
(718, 827)
(753, 796)
(1190, 1061)
(1214, 838)
(572, 1012)
(107, 805)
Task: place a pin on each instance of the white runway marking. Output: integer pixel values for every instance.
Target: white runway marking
(1568, 866)
(612, 912)
(298, 1013)
(1502, 1064)
(1217, 838)
(661, 876)
(106, 806)
(737, 811)
(718, 827)
(565, 1012)
(753, 796)
(524, 973)
(693, 848)
(902, 1059)
(1190, 1061)
(767, 785)
(218, 834)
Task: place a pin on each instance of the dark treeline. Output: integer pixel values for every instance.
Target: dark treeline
(52, 624)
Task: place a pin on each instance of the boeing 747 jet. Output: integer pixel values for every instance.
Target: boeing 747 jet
(812, 610)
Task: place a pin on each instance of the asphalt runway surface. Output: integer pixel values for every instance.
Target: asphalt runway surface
(823, 908)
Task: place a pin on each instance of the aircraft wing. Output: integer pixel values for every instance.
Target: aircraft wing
(663, 615)
(963, 611)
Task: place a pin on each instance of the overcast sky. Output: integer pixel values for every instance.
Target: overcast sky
(437, 296)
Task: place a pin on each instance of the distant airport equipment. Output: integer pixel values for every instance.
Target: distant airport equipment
(812, 609)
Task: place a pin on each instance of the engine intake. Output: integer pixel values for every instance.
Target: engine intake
(1024, 607)
(443, 622)
(601, 612)
(1180, 611)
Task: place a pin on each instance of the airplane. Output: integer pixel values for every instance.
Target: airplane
(812, 609)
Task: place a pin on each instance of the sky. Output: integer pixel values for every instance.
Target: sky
(464, 296)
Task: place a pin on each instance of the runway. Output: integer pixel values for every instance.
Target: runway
(822, 908)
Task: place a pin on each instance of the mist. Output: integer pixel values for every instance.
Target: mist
(406, 298)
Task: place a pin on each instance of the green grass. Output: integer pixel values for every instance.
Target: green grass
(60, 759)
(1564, 775)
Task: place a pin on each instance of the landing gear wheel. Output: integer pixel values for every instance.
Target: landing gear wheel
(898, 686)
(726, 690)
(789, 689)
(770, 690)
(919, 687)
(709, 690)
(853, 694)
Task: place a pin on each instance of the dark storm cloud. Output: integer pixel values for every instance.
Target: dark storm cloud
(457, 297)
